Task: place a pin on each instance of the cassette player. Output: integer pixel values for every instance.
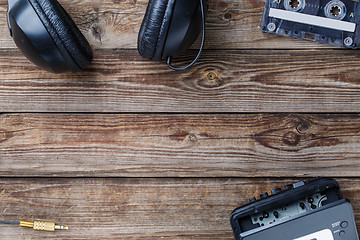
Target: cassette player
(306, 210)
(335, 22)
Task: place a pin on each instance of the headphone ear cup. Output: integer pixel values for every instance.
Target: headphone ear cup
(63, 31)
(154, 28)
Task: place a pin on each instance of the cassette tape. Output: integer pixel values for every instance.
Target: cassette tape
(335, 22)
(306, 210)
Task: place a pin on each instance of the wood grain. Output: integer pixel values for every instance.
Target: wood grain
(173, 124)
(166, 145)
(136, 208)
(223, 81)
(111, 24)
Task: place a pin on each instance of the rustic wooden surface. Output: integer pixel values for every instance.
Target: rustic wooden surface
(294, 76)
(128, 149)
(148, 208)
(223, 81)
(168, 145)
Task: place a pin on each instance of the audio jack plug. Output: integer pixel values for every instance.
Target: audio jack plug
(43, 225)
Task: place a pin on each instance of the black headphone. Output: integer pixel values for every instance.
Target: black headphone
(48, 37)
(170, 27)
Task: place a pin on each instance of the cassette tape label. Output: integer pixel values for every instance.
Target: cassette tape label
(321, 235)
(326, 21)
(312, 20)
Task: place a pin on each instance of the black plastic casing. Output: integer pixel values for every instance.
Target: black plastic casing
(310, 32)
(185, 27)
(34, 41)
(300, 190)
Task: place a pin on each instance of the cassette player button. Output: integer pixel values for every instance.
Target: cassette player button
(288, 187)
(344, 224)
(252, 200)
(299, 184)
(275, 191)
(264, 195)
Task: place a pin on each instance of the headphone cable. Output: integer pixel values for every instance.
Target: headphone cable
(6, 222)
(201, 47)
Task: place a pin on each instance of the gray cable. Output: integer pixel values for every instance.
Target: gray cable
(7, 222)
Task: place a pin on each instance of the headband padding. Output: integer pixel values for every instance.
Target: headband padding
(154, 28)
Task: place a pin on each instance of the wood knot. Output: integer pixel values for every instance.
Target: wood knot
(302, 128)
(211, 80)
(212, 76)
(227, 15)
(291, 138)
(97, 32)
(192, 138)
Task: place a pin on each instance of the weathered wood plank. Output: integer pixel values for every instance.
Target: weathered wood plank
(150, 145)
(115, 24)
(223, 81)
(135, 208)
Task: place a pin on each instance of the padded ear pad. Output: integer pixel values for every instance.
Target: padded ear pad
(154, 28)
(63, 31)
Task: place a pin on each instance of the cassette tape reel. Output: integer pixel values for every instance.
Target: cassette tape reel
(335, 22)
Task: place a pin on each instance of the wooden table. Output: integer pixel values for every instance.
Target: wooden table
(129, 149)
